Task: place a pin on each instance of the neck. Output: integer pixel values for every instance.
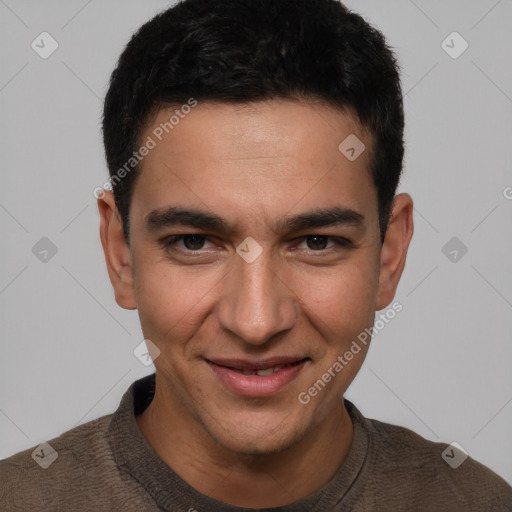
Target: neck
(261, 481)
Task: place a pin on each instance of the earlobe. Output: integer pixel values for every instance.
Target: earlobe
(394, 249)
(116, 250)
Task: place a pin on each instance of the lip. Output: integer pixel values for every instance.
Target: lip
(257, 364)
(229, 373)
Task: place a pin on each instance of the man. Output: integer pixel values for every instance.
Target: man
(254, 149)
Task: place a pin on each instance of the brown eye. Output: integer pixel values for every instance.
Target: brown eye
(324, 243)
(317, 242)
(193, 242)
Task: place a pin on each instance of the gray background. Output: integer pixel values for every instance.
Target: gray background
(441, 367)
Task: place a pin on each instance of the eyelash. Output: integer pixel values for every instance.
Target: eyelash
(172, 241)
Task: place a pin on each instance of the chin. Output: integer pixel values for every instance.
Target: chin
(250, 446)
(257, 437)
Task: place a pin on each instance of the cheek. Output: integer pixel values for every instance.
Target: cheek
(342, 301)
(171, 304)
(170, 300)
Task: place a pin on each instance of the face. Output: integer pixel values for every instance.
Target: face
(254, 262)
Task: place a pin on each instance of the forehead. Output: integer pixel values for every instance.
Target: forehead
(262, 158)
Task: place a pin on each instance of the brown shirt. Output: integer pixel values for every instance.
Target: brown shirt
(107, 465)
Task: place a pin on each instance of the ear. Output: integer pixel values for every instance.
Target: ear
(394, 249)
(117, 253)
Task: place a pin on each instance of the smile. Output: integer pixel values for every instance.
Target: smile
(266, 378)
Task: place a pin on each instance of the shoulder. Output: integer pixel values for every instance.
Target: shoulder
(60, 466)
(432, 472)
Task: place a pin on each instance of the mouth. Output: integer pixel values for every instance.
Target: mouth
(257, 378)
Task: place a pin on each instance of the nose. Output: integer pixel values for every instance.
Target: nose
(256, 302)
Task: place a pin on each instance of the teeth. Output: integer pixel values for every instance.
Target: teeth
(268, 371)
(262, 373)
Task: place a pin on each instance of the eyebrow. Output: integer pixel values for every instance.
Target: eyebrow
(319, 218)
(176, 216)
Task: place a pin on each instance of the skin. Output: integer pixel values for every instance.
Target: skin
(254, 165)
